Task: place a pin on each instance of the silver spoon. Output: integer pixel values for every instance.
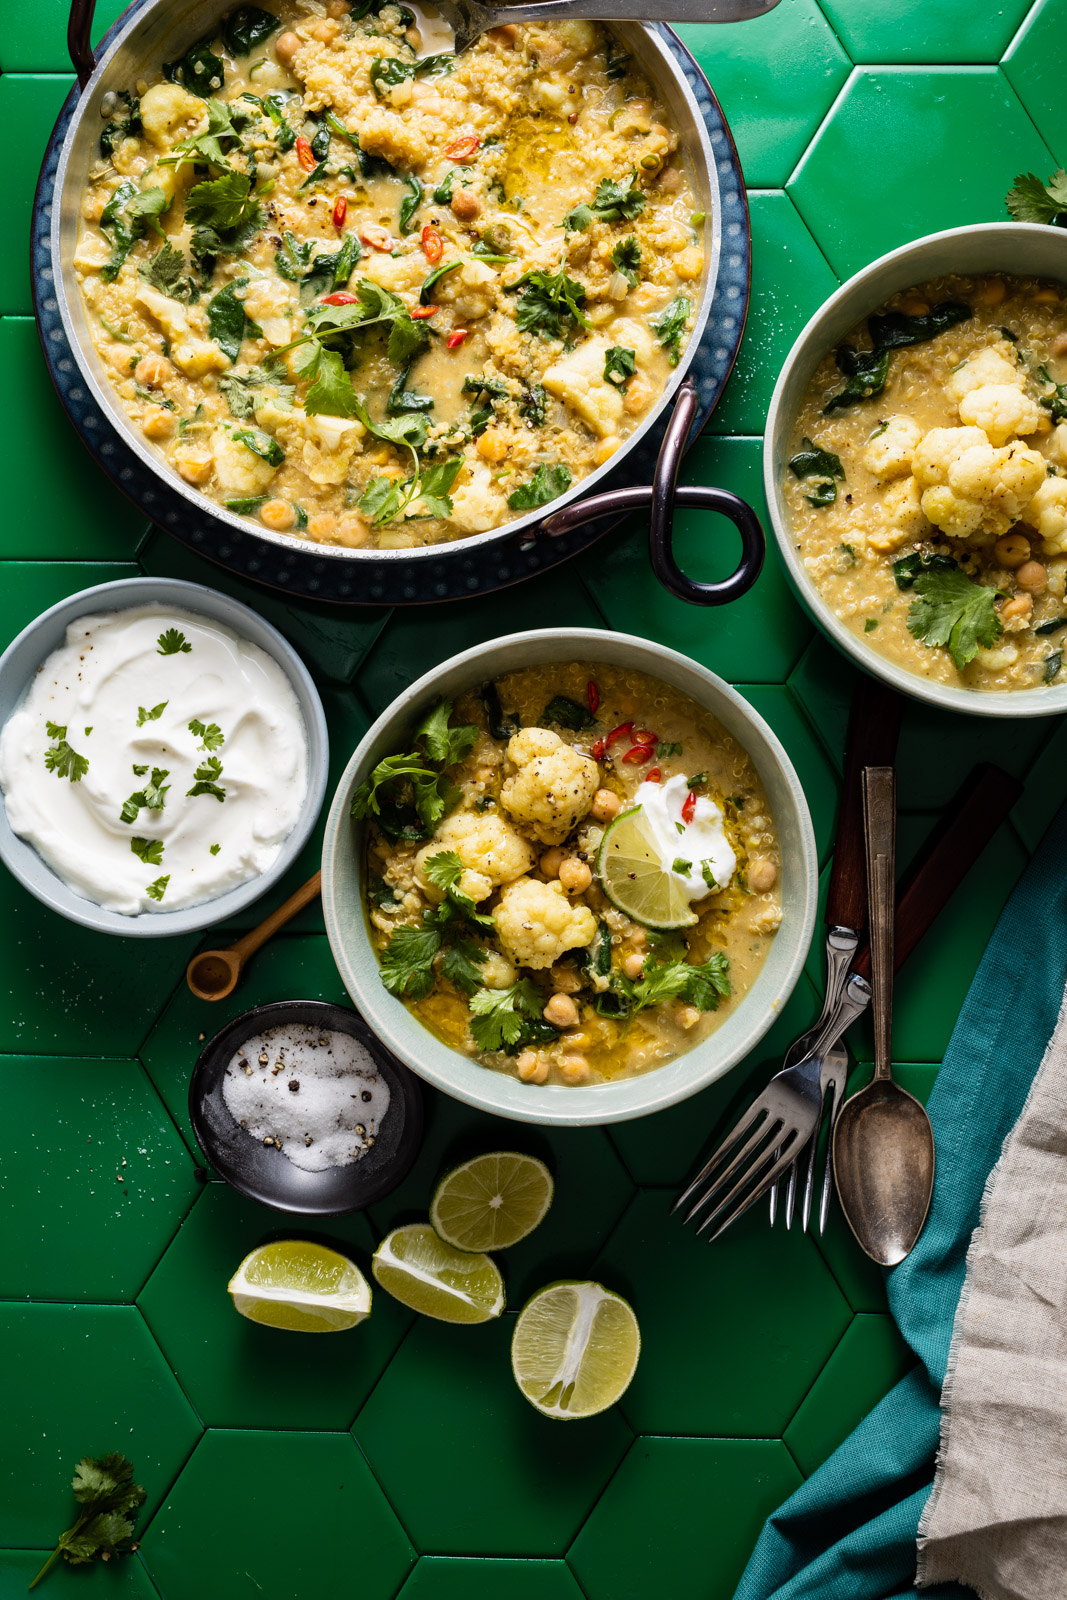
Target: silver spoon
(883, 1142)
(469, 19)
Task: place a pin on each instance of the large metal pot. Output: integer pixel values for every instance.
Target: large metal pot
(155, 30)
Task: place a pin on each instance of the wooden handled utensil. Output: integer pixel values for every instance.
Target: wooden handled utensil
(213, 974)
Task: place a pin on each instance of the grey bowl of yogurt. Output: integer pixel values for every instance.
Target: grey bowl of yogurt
(163, 757)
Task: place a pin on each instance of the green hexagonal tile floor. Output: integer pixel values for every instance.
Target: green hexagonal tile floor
(398, 1457)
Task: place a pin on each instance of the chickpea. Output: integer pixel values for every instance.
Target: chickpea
(325, 30)
(493, 444)
(566, 979)
(606, 449)
(561, 1011)
(285, 47)
(638, 937)
(575, 876)
(465, 206)
(118, 359)
(1031, 577)
(670, 180)
(551, 862)
(152, 370)
(573, 1069)
(1012, 549)
(413, 36)
(992, 293)
(1047, 297)
(337, 9)
(531, 1068)
(322, 526)
(762, 875)
(605, 806)
(352, 531)
(505, 35)
(277, 514)
(194, 464)
(687, 1016)
(93, 207)
(1058, 347)
(1021, 606)
(638, 395)
(158, 423)
(634, 964)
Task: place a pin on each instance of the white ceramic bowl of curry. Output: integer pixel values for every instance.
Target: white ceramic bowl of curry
(344, 874)
(1013, 250)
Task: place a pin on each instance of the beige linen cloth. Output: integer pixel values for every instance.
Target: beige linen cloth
(996, 1519)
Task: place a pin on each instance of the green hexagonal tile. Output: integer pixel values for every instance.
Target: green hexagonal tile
(1034, 66)
(61, 515)
(39, 42)
(776, 77)
(952, 31)
(418, 638)
(1043, 795)
(666, 1148)
(29, 587)
(591, 1193)
(276, 1514)
(125, 1578)
(31, 104)
(768, 1311)
(96, 1184)
(777, 705)
(75, 1381)
(758, 638)
(453, 1578)
(870, 1359)
(469, 1465)
(333, 639)
(237, 1373)
(895, 158)
(790, 280)
(688, 1486)
(291, 967)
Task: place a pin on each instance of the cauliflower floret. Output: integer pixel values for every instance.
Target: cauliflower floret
(169, 113)
(903, 518)
(330, 445)
(972, 489)
(1057, 453)
(491, 851)
(477, 503)
(888, 455)
(238, 469)
(190, 355)
(537, 924)
(1047, 512)
(996, 364)
(1002, 410)
(553, 787)
(578, 380)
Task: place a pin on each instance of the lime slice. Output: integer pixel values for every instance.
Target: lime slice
(492, 1201)
(575, 1349)
(636, 879)
(300, 1286)
(423, 1272)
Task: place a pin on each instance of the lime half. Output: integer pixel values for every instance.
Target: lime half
(423, 1272)
(635, 877)
(493, 1201)
(575, 1349)
(300, 1286)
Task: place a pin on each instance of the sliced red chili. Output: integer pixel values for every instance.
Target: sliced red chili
(462, 149)
(433, 245)
(424, 311)
(341, 298)
(377, 237)
(599, 746)
(623, 731)
(305, 155)
(638, 754)
(592, 695)
(644, 736)
(689, 807)
(654, 775)
(340, 211)
(456, 338)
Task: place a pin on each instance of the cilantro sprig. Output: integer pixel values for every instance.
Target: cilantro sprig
(173, 642)
(152, 797)
(109, 1501)
(1033, 201)
(444, 870)
(407, 795)
(615, 201)
(206, 778)
(954, 611)
(509, 1019)
(60, 758)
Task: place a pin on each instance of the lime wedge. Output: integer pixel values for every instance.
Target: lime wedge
(635, 878)
(423, 1272)
(492, 1201)
(300, 1286)
(575, 1349)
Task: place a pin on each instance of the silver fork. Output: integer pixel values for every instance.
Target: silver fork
(469, 19)
(773, 1131)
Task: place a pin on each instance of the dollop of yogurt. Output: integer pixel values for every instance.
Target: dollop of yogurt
(157, 760)
(700, 840)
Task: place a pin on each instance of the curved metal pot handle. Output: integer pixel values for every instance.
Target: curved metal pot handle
(664, 495)
(79, 39)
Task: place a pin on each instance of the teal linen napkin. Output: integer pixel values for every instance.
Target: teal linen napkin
(849, 1532)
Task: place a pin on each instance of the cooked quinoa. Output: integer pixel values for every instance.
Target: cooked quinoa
(370, 298)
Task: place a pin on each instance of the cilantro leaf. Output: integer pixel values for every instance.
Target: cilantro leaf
(506, 1019)
(54, 730)
(154, 715)
(442, 742)
(618, 201)
(125, 217)
(1033, 201)
(238, 387)
(109, 1498)
(207, 775)
(224, 216)
(65, 762)
(407, 962)
(619, 365)
(670, 326)
(404, 793)
(460, 964)
(908, 568)
(549, 303)
(210, 734)
(626, 258)
(166, 272)
(158, 889)
(171, 643)
(954, 611)
(152, 796)
(332, 391)
(150, 851)
(547, 484)
(444, 870)
(435, 485)
(702, 985)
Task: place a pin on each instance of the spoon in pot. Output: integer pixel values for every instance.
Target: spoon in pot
(467, 20)
(213, 974)
(883, 1142)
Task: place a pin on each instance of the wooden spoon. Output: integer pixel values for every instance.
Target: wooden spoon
(213, 974)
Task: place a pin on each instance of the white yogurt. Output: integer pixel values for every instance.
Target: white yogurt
(127, 700)
(316, 1097)
(703, 839)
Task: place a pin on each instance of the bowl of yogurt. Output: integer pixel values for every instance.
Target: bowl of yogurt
(163, 757)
